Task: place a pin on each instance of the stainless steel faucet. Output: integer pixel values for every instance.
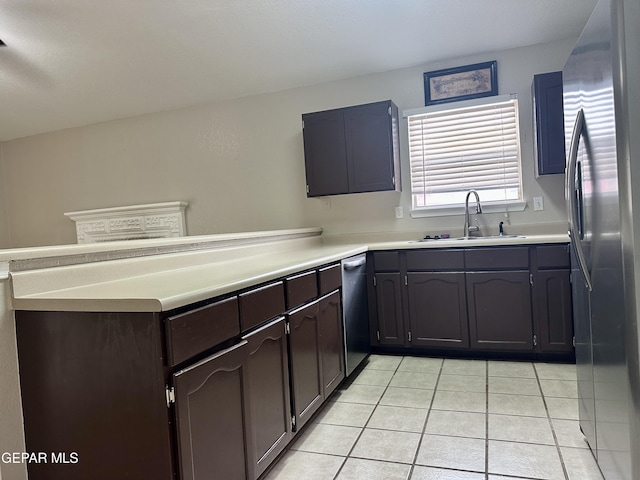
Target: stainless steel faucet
(473, 228)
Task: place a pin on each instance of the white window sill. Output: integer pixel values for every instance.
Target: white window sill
(495, 207)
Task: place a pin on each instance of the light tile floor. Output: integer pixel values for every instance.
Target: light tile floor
(418, 418)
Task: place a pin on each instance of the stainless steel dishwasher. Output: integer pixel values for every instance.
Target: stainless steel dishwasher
(355, 311)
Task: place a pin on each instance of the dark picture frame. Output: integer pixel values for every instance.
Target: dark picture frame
(461, 83)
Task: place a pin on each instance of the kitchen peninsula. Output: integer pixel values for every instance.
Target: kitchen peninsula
(122, 344)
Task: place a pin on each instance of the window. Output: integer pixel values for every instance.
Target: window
(473, 147)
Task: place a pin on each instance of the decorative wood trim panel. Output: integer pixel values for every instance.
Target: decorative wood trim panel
(155, 220)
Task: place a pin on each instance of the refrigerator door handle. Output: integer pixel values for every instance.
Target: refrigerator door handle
(570, 192)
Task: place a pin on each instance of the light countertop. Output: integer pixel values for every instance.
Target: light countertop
(491, 241)
(142, 286)
(163, 282)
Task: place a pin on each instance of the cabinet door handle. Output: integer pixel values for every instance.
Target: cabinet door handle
(531, 279)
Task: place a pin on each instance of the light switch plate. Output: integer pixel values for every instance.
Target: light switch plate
(399, 212)
(538, 203)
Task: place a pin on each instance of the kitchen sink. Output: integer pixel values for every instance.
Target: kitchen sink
(486, 237)
(458, 239)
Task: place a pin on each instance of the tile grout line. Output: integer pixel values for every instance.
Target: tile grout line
(348, 456)
(429, 411)
(426, 420)
(553, 432)
(486, 425)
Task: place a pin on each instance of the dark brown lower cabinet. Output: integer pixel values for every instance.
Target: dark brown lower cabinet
(213, 417)
(317, 354)
(331, 342)
(390, 327)
(500, 310)
(181, 395)
(489, 300)
(306, 361)
(268, 389)
(438, 309)
(552, 289)
(93, 384)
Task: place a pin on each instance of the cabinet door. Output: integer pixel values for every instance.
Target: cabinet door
(438, 310)
(325, 155)
(499, 306)
(554, 313)
(306, 361)
(268, 387)
(549, 123)
(332, 342)
(213, 417)
(370, 147)
(389, 303)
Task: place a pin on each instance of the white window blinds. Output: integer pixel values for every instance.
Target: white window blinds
(461, 149)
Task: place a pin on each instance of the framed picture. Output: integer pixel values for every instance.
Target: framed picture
(461, 83)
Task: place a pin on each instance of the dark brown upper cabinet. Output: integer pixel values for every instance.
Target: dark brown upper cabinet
(352, 150)
(549, 123)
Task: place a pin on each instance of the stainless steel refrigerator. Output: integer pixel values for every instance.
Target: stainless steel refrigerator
(601, 83)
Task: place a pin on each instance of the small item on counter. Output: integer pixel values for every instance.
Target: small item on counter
(444, 235)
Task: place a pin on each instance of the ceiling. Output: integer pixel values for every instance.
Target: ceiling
(75, 62)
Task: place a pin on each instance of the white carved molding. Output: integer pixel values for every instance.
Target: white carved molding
(155, 220)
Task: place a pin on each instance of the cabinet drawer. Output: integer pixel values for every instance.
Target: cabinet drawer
(330, 278)
(195, 331)
(435, 259)
(259, 305)
(497, 258)
(553, 256)
(386, 261)
(301, 288)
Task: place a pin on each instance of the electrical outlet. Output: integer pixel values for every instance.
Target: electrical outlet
(538, 204)
(399, 212)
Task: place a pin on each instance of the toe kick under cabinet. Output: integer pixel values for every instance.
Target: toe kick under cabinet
(481, 301)
(210, 391)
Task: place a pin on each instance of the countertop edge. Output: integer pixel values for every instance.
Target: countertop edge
(214, 279)
(475, 242)
(84, 298)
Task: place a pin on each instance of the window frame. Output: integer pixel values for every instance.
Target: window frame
(458, 208)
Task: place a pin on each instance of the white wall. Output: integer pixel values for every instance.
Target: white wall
(239, 164)
(4, 219)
